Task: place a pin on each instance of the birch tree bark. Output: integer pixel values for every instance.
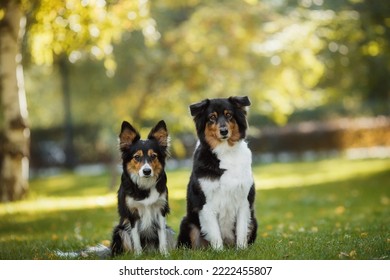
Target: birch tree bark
(15, 133)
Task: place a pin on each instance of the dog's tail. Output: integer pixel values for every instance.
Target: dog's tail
(101, 251)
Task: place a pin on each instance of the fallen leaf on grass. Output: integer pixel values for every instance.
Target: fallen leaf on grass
(350, 255)
(383, 258)
(289, 215)
(339, 210)
(385, 200)
(343, 255)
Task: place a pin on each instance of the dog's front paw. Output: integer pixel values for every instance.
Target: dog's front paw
(217, 245)
(163, 248)
(137, 253)
(137, 250)
(242, 244)
(164, 251)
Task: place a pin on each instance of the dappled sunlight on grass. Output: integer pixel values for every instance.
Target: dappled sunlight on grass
(47, 204)
(63, 192)
(331, 209)
(65, 212)
(69, 184)
(334, 218)
(301, 174)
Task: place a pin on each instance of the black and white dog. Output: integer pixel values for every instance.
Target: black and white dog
(143, 193)
(221, 191)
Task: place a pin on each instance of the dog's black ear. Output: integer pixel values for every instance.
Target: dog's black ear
(240, 101)
(128, 135)
(198, 108)
(160, 133)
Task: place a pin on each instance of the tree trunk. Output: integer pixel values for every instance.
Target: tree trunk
(70, 156)
(15, 138)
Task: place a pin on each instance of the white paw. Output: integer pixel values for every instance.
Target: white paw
(217, 245)
(242, 244)
(137, 251)
(164, 251)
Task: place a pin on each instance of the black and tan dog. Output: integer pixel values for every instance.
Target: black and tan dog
(221, 192)
(143, 193)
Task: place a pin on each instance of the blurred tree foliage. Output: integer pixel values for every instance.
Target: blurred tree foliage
(287, 55)
(62, 32)
(78, 28)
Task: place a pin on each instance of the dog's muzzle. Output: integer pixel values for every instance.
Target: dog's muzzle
(224, 131)
(146, 171)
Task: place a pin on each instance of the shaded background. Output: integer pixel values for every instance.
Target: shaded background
(316, 71)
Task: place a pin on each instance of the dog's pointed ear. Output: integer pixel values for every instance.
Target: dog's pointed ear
(240, 101)
(128, 136)
(160, 133)
(198, 108)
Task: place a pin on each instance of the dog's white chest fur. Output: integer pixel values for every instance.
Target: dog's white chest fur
(149, 209)
(150, 223)
(227, 197)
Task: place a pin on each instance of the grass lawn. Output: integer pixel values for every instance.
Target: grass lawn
(331, 209)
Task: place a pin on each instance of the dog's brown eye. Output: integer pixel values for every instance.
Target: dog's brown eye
(212, 118)
(228, 116)
(137, 157)
(153, 156)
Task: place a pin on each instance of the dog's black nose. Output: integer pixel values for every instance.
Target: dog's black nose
(223, 131)
(147, 171)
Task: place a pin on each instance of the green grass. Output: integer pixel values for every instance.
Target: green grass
(331, 209)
